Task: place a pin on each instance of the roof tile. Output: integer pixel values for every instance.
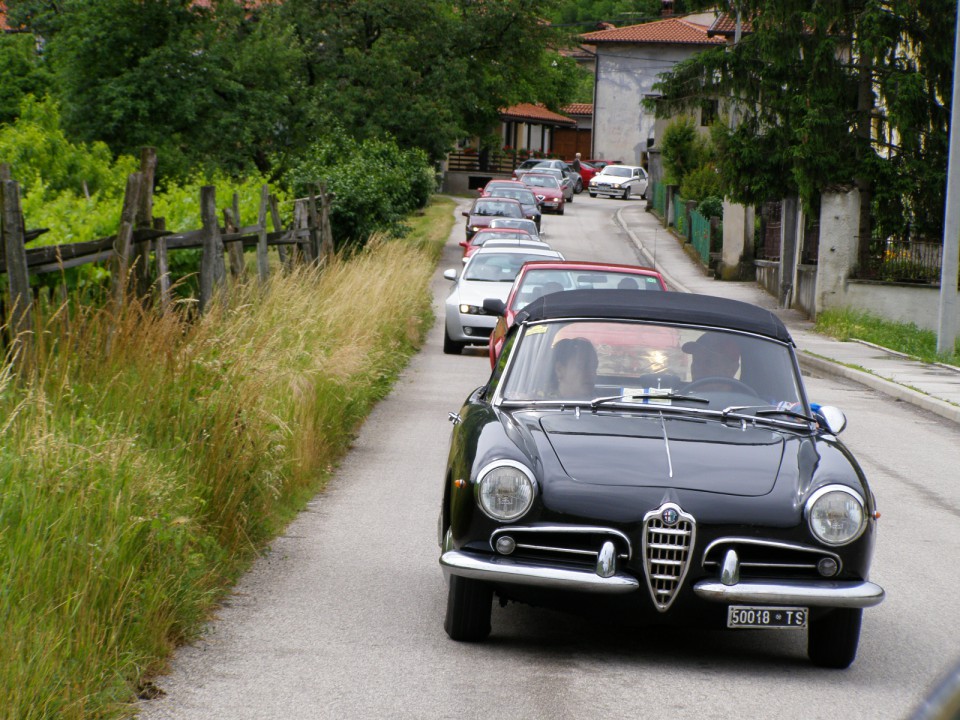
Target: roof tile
(672, 31)
(536, 113)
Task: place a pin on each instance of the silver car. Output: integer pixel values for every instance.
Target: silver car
(619, 181)
(489, 273)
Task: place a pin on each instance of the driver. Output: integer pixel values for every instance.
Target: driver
(574, 370)
(713, 355)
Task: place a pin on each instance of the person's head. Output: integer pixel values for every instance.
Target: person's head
(713, 355)
(628, 284)
(574, 368)
(577, 156)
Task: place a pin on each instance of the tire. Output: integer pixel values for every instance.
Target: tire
(578, 188)
(560, 211)
(626, 194)
(593, 194)
(450, 347)
(469, 605)
(571, 198)
(832, 639)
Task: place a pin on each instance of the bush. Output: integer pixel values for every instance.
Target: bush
(375, 183)
(683, 151)
(701, 183)
(711, 206)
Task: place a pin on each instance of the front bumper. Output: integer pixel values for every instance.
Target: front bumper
(810, 593)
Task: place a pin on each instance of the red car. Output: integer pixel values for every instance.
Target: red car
(548, 191)
(587, 171)
(496, 183)
(481, 236)
(536, 279)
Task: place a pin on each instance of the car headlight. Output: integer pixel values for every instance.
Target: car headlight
(616, 185)
(506, 490)
(474, 228)
(835, 515)
(472, 310)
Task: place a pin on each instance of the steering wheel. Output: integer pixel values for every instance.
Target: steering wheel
(732, 383)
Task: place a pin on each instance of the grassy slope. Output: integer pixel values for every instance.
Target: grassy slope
(148, 460)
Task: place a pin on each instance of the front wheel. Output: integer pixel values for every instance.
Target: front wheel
(579, 186)
(450, 346)
(832, 639)
(560, 211)
(593, 194)
(626, 194)
(469, 604)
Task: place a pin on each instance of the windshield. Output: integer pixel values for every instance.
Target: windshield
(497, 267)
(547, 181)
(542, 282)
(582, 360)
(497, 208)
(617, 171)
(523, 195)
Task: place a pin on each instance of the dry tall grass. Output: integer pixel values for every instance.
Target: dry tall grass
(148, 457)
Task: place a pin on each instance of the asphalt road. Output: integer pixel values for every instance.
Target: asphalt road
(342, 618)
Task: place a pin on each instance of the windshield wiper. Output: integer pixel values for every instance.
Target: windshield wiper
(766, 410)
(633, 398)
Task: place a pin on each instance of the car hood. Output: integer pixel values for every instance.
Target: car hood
(650, 451)
(474, 292)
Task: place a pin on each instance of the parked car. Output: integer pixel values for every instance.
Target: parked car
(500, 233)
(486, 274)
(542, 277)
(548, 190)
(516, 224)
(566, 183)
(485, 209)
(620, 181)
(601, 164)
(526, 197)
(535, 165)
(519, 243)
(590, 476)
(587, 171)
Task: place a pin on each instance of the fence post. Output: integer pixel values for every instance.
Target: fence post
(15, 252)
(213, 271)
(122, 249)
(235, 249)
(163, 271)
(141, 255)
(263, 261)
(282, 250)
(314, 228)
(326, 232)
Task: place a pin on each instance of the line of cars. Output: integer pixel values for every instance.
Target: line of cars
(645, 457)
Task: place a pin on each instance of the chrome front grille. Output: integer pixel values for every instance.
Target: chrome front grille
(668, 537)
(577, 544)
(758, 558)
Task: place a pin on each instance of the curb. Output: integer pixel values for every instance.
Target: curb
(825, 366)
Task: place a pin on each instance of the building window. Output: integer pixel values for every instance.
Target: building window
(709, 111)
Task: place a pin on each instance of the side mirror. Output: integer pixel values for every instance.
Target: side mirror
(465, 213)
(495, 306)
(450, 274)
(832, 418)
(463, 244)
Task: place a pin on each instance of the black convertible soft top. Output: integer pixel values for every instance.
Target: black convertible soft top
(671, 307)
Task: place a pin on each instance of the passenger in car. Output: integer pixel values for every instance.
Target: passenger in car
(713, 355)
(574, 369)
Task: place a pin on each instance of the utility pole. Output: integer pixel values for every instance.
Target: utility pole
(950, 264)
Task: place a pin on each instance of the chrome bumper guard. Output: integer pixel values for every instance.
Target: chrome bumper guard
(518, 572)
(810, 593)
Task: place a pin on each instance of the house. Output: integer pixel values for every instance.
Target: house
(629, 59)
(530, 126)
(568, 141)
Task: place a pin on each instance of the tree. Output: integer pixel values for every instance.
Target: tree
(22, 73)
(851, 92)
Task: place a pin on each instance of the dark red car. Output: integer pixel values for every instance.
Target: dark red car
(548, 191)
(485, 209)
(537, 279)
(481, 236)
(497, 183)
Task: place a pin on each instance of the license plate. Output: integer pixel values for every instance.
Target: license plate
(764, 616)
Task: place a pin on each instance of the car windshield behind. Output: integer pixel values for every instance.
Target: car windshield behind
(645, 363)
(497, 267)
(536, 283)
(517, 224)
(497, 208)
(481, 237)
(526, 197)
(541, 180)
(617, 171)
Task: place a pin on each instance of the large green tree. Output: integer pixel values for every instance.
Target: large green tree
(826, 94)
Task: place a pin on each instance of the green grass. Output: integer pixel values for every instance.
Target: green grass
(902, 337)
(145, 460)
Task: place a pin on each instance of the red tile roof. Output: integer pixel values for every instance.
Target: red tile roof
(535, 113)
(672, 31)
(727, 26)
(3, 17)
(578, 109)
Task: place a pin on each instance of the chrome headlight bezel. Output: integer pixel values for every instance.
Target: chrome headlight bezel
(525, 489)
(815, 507)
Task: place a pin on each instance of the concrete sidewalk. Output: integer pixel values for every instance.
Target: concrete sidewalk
(933, 387)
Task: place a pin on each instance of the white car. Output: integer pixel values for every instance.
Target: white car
(619, 181)
(489, 273)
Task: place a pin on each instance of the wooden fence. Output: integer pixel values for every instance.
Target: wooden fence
(141, 236)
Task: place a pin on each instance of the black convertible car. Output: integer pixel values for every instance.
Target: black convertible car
(653, 456)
